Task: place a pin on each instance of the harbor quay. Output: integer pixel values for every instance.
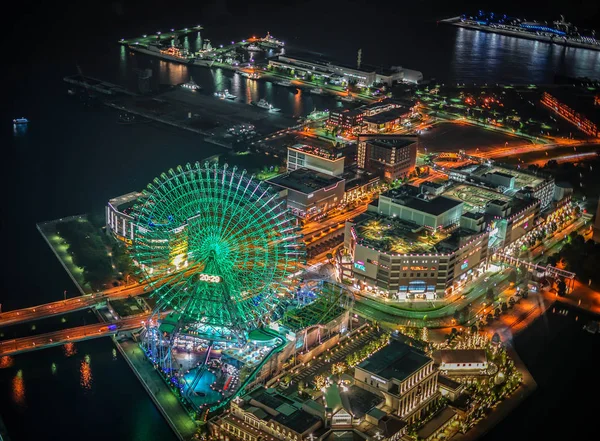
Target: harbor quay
(202, 114)
(176, 416)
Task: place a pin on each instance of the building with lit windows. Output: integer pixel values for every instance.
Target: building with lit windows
(264, 414)
(363, 75)
(350, 120)
(309, 193)
(389, 156)
(387, 121)
(118, 216)
(328, 161)
(509, 181)
(580, 108)
(405, 376)
(463, 360)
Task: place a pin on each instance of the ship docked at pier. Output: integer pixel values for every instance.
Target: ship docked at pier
(559, 32)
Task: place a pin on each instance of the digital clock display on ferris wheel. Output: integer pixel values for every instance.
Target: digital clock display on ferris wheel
(209, 278)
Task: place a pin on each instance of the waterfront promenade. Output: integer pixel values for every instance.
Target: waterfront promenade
(164, 399)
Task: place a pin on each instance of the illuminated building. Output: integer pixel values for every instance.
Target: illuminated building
(264, 414)
(570, 111)
(386, 121)
(309, 193)
(404, 376)
(389, 156)
(508, 181)
(350, 120)
(463, 360)
(364, 75)
(328, 161)
(119, 219)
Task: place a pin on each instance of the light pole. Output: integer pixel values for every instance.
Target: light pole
(65, 295)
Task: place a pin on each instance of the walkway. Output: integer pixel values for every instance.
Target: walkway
(166, 402)
(506, 406)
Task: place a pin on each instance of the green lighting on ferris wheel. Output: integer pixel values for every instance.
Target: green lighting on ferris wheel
(215, 245)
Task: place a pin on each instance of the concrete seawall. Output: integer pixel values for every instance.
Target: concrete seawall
(164, 399)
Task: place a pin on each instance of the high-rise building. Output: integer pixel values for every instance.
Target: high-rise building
(389, 156)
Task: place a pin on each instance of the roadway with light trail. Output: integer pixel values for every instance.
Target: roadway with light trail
(25, 344)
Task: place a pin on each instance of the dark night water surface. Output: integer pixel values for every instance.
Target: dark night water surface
(74, 158)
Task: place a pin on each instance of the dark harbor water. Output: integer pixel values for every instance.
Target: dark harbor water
(79, 391)
(73, 158)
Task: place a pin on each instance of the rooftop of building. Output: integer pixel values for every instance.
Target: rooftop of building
(522, 179)
(387, 116)
(347, 112)
(390, 425)
(286, 411)
(125, 201)
(463, 356)
(392, 141)
(330, 154)
(435, 206)
(448, 383)
(435, 423)
(475, 198)
(396, 361)
(471, 215)
(393, 235)
(355, 180)
(305, 181)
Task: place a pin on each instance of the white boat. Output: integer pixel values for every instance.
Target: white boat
(253, 48)
(348, 98)
(317, 91)
(20, 121)
(252, 75)
(286, 83)
(263, 104)
(225, 95)
(191, 85)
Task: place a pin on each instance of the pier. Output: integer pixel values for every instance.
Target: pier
(160, 35)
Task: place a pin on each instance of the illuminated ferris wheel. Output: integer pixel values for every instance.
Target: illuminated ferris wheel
(216, 246)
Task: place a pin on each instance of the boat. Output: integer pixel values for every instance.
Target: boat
(191, 85)
(20, 121)
(317, 91)
(592, 327)
(348, 98)
(263, 104)
(559, 32)
(253, 48)
(251, 75)
(71, 91)
(286, 83)
(225, 95)
(170, 53)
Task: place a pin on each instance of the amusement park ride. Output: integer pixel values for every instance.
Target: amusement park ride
(219, 250)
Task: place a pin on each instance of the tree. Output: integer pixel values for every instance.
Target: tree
(496, 338)
(497, 312)
(338, 368)
(525, 293)
(319, 382)
(562, 288)
(474, 329)
(512, 276)
(504, 307)
(489, 317)
(425, 334)
(490, 295)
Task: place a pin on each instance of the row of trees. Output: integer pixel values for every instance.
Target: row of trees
(367, 350)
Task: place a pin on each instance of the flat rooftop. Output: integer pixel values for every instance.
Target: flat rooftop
(392, 141)
(330, 154)
(129, 199)
(434, 206)
(474, 198)
(396, 361)
(305, 181)
(387, 116)
(393, 235)
(522, 179)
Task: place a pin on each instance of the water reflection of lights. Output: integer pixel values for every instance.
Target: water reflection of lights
(6, 362)
(69, 349)
(18, 388)
(85, 371)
